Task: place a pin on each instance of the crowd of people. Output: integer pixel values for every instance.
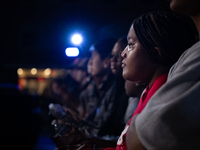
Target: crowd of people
(136, 92)
(124, 75)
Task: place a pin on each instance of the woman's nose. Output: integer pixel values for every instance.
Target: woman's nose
(123, 54)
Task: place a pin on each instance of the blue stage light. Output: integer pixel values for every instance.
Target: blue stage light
(72, 51)
(76, 39)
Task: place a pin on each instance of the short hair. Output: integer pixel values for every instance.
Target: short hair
(164, 30)
(104, 47)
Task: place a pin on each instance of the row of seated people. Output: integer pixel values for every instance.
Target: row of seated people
(146, 61)
(106, 103)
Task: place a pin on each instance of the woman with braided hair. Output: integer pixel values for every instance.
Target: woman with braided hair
(155, 42)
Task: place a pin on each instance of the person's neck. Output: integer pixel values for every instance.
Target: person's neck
(196, 20)
(159, 72)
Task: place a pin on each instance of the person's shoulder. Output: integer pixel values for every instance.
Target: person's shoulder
(193, 50)
(88, 90)
(196, 45)
(188, 59)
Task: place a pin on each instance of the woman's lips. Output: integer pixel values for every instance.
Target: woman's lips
(123, 64)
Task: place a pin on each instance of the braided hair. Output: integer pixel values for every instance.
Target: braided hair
(166, 31)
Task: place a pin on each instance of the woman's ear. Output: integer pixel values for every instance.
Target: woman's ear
(156, 53)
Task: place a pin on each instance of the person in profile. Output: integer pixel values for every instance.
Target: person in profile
(78, 71)
(171, 118)
(152, 49)
(102, 82)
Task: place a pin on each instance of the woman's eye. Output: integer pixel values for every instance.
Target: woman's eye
(130, 47)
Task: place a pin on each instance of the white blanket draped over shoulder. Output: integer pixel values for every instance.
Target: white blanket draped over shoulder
(171, 119)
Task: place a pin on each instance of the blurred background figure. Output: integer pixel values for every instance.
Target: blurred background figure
(117, 104)
(67, 91)
(79, 72)
(102, 101)
(116, 59)
(102, 79)
(66, 101)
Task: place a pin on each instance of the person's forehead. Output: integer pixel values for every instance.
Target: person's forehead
(95, 52)
(117, 48)
(131, 34)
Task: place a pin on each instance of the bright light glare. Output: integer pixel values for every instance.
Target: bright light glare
(47, 71)
(20, 71)
(33, 71)
(77, 39)
(72, 51)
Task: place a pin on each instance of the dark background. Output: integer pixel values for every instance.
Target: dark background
(35, 33)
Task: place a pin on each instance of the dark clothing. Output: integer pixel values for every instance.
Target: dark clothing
(113, 123)
(91, 99)
(108, 109)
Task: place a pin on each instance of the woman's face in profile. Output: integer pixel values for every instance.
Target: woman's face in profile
(136, 64)
(116, 60)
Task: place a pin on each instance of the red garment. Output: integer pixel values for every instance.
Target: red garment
(121, 143)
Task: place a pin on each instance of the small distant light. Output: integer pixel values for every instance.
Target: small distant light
(72, 51)
(20, 71)
(77, 39)
(33, 71)
(47, 71)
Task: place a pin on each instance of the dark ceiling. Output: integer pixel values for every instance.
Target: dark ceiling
(35, 33)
